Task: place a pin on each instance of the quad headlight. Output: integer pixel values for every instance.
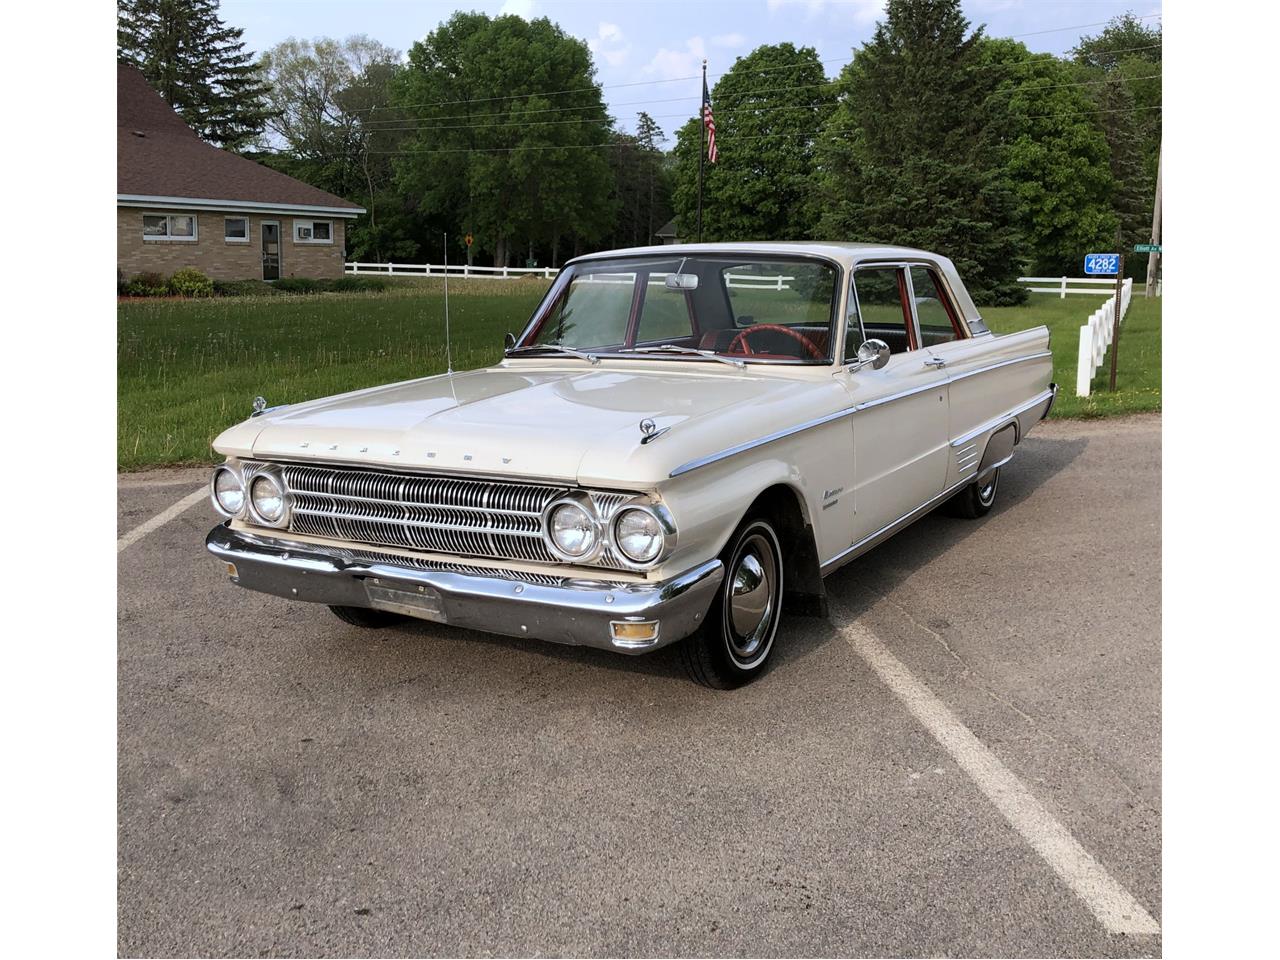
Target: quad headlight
(572, 528)
(226, 489)
(267, 499)
(643, 533)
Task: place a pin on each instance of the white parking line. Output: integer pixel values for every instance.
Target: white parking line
(1112, 904)
(160, 519)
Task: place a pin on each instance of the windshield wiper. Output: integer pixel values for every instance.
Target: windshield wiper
(553, 348)
(689, 352)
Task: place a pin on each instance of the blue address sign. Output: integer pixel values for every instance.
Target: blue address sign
(1101, 264)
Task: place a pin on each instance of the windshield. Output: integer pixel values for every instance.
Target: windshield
(746, 308)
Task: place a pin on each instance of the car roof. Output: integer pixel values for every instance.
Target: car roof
(848, 255)
(840, 251)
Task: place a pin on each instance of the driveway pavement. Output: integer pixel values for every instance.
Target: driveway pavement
(292, 785)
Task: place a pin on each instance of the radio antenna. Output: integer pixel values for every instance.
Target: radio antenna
(448, 346)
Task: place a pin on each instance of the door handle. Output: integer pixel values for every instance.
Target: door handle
(935, 362)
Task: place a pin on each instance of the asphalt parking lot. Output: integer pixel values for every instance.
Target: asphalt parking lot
(291, 785)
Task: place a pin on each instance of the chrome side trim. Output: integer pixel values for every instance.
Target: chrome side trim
(752, 444)
(1004, 418)
(848, 412)
(866, 543)
(900, 395)
(997, 366)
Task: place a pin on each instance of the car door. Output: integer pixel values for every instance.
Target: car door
(982, 386)
(899, 423)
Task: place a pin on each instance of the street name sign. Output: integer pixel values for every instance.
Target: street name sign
(1147, 248)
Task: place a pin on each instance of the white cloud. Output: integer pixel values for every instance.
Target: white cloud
(521, 8)
(729, 40)
(669, 64)
(860, 11)
(610, 45)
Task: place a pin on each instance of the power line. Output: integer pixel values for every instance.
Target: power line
(729, 112)
(643, 83)
(622, 144)
(403, 120)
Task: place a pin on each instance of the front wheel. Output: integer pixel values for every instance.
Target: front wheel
(977, 499)
(735, 641)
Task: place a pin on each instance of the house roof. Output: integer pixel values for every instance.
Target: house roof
(668, 229)
(161, 161)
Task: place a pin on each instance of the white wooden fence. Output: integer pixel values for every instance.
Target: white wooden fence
(1095, 337)
(1098, 286)
(453, 270)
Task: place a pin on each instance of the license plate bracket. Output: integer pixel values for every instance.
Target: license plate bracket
(418, 601)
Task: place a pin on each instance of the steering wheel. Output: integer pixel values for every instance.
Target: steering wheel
(800, 338)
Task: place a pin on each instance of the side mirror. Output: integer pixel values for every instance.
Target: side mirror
(874, 352)
(508, 341)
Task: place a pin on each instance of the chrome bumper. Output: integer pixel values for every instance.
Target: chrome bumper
(578, 612)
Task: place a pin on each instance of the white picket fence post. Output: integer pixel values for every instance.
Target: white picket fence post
(1095, 337)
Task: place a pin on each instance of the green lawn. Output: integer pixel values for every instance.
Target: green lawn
(1138, 373)
(188, 369)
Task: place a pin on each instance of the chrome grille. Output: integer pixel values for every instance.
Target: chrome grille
(477, 518)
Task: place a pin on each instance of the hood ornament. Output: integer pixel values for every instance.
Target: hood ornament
(650, 430)
(259, 406)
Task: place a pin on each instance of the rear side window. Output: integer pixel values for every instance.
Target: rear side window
(933, 308)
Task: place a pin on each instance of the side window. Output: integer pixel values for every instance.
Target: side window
(592, 312)
(933, 309)
(881, 309)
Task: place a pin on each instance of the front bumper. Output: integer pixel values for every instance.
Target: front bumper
(578, 612)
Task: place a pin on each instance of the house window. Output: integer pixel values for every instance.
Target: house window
(169, 226)
(313, 231)
(236, 229)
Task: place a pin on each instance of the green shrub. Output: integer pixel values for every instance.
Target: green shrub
(243, 288)
(190, 282)
(357, 285)
(147, 285)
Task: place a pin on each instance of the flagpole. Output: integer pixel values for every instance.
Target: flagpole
(702, 152)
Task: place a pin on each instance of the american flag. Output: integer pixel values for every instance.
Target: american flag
(709, 121)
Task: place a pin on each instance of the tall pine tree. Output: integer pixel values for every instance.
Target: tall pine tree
(198, 64)
(914, 150)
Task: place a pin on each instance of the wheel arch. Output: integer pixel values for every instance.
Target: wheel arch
(803, 588)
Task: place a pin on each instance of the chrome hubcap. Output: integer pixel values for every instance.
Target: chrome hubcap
(987, 492)
(752, 589)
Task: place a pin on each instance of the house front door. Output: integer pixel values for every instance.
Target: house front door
(270, 250)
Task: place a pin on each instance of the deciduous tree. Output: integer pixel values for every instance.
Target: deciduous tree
(507, 134)
(769, 108)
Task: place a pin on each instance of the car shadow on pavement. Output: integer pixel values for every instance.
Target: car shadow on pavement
(878, 572)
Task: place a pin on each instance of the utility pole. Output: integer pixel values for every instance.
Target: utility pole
(1115, 319)
(1153, 257)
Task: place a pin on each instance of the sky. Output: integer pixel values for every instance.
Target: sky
(649, 53)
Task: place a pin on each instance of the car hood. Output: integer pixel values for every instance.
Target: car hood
(575, 425)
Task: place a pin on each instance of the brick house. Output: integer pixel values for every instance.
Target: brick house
(181, 202)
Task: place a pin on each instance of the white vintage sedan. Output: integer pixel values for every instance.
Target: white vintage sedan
(683, 442)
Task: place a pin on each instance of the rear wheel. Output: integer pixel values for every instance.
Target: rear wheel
(977, 499)
(735, 642)
(364, 617)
